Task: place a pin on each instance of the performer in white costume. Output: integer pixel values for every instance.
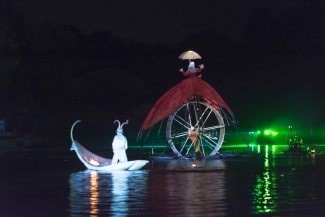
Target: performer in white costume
(120, 144)
(192, 71)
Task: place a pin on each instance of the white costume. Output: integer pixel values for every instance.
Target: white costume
(120, 144)
(192, 71)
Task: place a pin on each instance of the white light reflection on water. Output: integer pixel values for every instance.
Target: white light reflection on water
(115, 193)
(271, 184)
(120, 193)
(290, 185)
(184, 188)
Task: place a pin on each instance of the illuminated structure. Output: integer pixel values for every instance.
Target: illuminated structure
(295, 145)
(195, 114)
(95, 162)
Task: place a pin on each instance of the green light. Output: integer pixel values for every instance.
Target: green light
(266, 164)
(264, 194)
(270, 132)
(258, 132)
(274, 133)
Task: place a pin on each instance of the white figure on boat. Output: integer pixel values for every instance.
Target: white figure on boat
(95, 162)
(120, 144)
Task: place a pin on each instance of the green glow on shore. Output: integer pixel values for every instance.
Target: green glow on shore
(270, 132)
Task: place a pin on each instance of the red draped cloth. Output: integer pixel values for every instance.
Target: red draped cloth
(180, 94)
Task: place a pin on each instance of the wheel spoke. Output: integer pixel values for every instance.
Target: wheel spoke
(189, 148)
(209, 144)
(214, 127)
(182, 122)
(200, 117)
(179, 135)
(211, 137)
(184, 145)
(212, 141)
(195, 108)
(189, 114)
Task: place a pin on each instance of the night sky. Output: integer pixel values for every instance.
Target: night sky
(165, 22)
(265, 58)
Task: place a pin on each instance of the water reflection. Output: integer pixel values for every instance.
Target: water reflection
(312, 156)
(264, 187)
(97, 193)
(120, 193)
(270, 184)
(188, 188)
(190, 165)
(285, 182)
(94, 193)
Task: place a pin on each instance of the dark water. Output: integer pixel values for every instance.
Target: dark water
(55, 183)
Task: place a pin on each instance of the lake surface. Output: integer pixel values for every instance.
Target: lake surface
(56, 183)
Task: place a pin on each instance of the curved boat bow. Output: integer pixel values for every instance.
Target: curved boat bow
(95, 162)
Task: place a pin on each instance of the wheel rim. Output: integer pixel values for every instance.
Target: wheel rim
(208, 132)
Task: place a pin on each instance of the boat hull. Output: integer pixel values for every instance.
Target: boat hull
(130, 165)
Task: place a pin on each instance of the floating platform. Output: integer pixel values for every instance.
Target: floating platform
(190, 157)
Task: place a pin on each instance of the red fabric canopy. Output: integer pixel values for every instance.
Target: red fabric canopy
(178, 95)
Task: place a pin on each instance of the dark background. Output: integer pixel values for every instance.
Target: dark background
(62, 61)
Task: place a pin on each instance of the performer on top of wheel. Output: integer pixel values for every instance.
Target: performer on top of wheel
(192, 71)
(195, 113)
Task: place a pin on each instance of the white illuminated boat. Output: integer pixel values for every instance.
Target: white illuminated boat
(95, 162)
